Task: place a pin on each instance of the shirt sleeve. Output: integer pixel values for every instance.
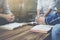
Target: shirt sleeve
(6, 7)
(52, 4)
(38, 5)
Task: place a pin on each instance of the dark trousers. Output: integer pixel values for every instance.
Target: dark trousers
(3, 21)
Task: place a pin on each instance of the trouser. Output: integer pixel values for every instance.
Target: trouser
(53, 19)
(4, 21)
(56, 32)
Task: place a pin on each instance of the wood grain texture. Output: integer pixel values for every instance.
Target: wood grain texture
(22, 33)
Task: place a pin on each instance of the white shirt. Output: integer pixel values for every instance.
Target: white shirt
(46, 4)
(4, 5)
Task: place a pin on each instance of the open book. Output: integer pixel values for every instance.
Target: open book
(41, 28)
(12, 26)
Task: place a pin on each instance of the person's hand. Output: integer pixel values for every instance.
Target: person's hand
(41, 15)
(9, 17)
(40, 20)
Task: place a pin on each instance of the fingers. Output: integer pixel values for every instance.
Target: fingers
(40, 20)
(12, 19)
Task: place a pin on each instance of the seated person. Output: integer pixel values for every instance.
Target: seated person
(6, 16)
(47, 12)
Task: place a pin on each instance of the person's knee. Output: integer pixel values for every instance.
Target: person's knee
(56, 29)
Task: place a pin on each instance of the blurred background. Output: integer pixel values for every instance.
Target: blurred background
(25, 10)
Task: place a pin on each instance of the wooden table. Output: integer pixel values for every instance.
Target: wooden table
(21, 34)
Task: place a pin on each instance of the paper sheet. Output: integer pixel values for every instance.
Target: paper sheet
(45, 28)
(11, 26)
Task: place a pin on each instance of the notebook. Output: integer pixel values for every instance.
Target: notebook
(12, 26)
(41, 28)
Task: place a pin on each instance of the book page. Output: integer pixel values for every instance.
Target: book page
(11, 26)
(45, 28)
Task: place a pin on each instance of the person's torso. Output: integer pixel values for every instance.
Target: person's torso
(45, 5)
(1, 5)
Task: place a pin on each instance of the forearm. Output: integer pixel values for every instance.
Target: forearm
(47, 12)
(2, 15)
(38, 12)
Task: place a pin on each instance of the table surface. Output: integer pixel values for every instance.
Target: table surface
(21, 33)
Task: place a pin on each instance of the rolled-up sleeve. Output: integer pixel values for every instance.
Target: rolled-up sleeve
(6, 7)
(38, 5)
